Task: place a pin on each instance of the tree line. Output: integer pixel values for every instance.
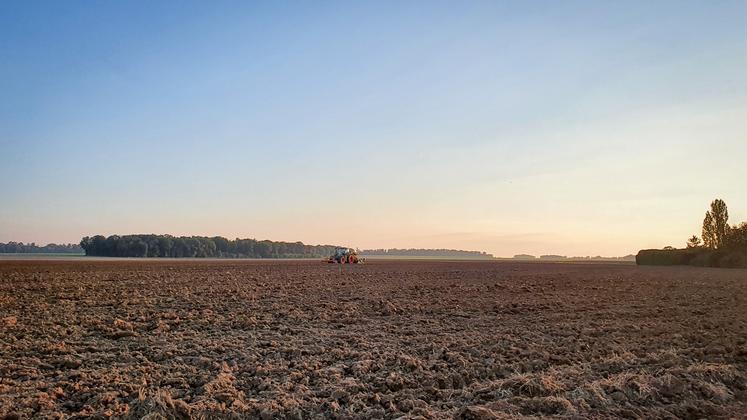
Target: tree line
(150, 245)
(716, 232)
(720, 244)
(32, 248)
(412, 252)
(576, 258)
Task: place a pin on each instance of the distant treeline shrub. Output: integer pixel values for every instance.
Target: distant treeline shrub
(702, 257)
(198, 247)
(32, 248)
(412, 252)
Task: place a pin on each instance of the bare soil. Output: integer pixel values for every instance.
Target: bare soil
(419, 339)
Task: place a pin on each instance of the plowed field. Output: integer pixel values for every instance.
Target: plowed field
(420, 339)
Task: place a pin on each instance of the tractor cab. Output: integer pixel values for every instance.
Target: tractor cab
(342, 252)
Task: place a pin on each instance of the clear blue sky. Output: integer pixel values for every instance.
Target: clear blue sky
(541, 127)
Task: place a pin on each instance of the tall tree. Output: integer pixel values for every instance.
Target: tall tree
(715, 225)
(708, 236)
(693, 242)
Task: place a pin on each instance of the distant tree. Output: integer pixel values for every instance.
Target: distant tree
(669, 247)
(709, 239)
(693, 242)
(221, 245)
(137, 248)
(165, 245)
(85, 243)
(263, 249)
(715, 225)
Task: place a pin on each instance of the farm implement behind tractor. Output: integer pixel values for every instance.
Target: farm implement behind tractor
(344, 256)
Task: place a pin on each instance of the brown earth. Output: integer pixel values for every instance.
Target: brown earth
(419, 339)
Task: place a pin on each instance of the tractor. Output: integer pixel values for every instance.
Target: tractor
(344, 256)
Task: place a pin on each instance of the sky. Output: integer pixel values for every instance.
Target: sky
(575, 128)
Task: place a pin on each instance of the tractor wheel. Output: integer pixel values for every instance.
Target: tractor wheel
(353, 259)
(342, 259)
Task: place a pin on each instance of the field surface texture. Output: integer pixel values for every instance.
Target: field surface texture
(419, 339)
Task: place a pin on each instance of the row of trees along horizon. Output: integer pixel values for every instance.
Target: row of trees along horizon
(152, 245)
(720, 244)
(418, 252)
(32, 248)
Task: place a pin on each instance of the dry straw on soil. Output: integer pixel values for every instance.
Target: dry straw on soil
(427, 339)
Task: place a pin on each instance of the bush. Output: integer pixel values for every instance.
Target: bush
(693, 256)
(705, 258)
(734, 259)
(665, 256)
